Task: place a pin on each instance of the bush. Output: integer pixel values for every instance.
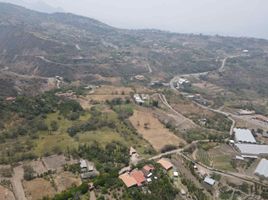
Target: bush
(29, 173)
(54, 125)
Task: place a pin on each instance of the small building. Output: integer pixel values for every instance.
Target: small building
(128, 180)
(262, 169)
(85, 166)
(244, 136)
(209, 181)
(246, 112)
(87, 169)
(147, 170)
(240, 158)
(89, 174)
(165, 164)
(176, 174)
(138, 99)
(182, 83)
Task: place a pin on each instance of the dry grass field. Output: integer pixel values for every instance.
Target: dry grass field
(153, 130)
(66, 180)
(38, 188)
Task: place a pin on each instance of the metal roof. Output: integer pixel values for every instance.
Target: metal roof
(244, 135)
(252, 149)
(209, 181)
(262, 168)
(83, 164)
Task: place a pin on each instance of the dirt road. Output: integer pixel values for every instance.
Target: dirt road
(17, 184)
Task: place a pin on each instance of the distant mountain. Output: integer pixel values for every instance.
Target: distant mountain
(36, 46)
(39, 6)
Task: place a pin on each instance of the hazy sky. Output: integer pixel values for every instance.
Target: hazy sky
(228, 17)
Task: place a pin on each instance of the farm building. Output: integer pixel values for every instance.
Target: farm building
(252, 149)
(262, 168)
(244, 136)
(165, 164)
(209, 181)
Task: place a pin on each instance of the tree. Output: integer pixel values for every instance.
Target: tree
(28, 172)
(54, 126)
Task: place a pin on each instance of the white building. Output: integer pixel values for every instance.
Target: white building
(244, 136)
(252, 149)
(138, 99)
(209, 181)
(262, 168)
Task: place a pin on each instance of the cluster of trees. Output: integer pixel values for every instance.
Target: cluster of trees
(97, 121)
(218, 122)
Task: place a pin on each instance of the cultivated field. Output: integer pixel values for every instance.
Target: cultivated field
(221, 157)
(153, 130)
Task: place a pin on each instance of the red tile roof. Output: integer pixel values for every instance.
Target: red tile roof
(165, 164)
(128, 180)
(148, 168)
(138, 176)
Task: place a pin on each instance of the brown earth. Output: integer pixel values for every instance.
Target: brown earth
(38, 188)
(66, 180)
(6, 194)
(155, 132)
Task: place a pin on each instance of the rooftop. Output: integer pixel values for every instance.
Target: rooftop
(128, 180)
(83, 164)
(138, 176)
(148, 168)
(209, 181)
(165, 164)
(252, 149)
(244, 135)
(262, 168)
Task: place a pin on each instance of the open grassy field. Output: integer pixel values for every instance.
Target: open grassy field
(60, 141)
(153, 130)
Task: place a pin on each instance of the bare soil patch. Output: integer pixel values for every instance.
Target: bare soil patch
(38, 166)
(56, 162)
(66, 180)
(38, 188)
(153, 130)
(6, 194)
